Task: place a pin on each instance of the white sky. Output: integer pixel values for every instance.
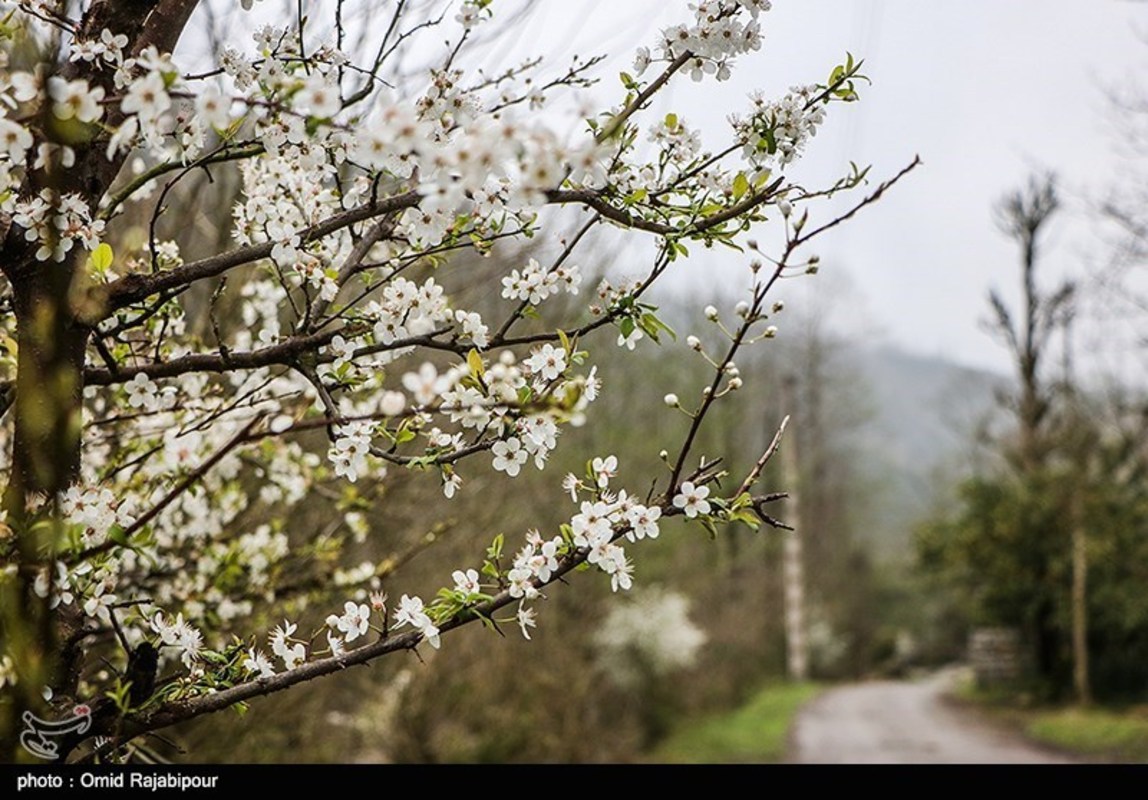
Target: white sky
(985, 91)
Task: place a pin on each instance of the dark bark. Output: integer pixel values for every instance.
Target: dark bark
(53, 321)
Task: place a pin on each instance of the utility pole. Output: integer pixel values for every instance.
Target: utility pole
(1080, 679)
(793, 571)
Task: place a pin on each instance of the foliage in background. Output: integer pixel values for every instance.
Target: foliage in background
(1071, 469)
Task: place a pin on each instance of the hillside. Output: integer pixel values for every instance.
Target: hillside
(925, 411)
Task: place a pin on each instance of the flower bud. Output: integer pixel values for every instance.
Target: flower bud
(694, 343)
(742, 309)
(671, 400)
(735, 383)
(711, 314)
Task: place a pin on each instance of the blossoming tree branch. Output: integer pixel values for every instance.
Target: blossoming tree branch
(139, 443)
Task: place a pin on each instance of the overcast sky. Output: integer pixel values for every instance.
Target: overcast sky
(986, 92)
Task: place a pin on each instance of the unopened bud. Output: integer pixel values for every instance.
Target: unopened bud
(734, 383)
(694, 343)
(784, 207)
(742, 309)
(711, 314)
(671, 400)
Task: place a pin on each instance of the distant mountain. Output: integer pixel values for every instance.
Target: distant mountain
(926, 411)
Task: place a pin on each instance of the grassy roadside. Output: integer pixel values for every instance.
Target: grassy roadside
(1094, 732)
(1098, 734)
(755, 733)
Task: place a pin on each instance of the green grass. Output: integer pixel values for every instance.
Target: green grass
(1101, 734)
(754, 733)
(1096, 732)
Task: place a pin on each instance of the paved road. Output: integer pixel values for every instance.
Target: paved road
(897, 722)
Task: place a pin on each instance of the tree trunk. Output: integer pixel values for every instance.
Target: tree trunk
(49, 387)
(45, 460)
(1080, 678)
(793, 572)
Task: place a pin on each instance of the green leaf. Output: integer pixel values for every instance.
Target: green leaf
(495, 549)
(708, 524)
(740, 186)
(474, 362)
(101, 258)
(649, 325)
(654, 327)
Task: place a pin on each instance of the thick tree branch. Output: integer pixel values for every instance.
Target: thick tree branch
(133, 288)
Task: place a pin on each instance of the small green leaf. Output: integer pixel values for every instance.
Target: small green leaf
(101, 258)
(474, 362)
(740, 186)
(636, 196)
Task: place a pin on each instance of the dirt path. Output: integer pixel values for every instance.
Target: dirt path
(897, 722)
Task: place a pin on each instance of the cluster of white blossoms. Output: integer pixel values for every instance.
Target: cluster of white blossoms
(652, 632)
(535, 284)
(95, 510)
(778, 130)
(56, 223)
(177, 633)
(350, 449)
(718, 34)
(411, 612)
